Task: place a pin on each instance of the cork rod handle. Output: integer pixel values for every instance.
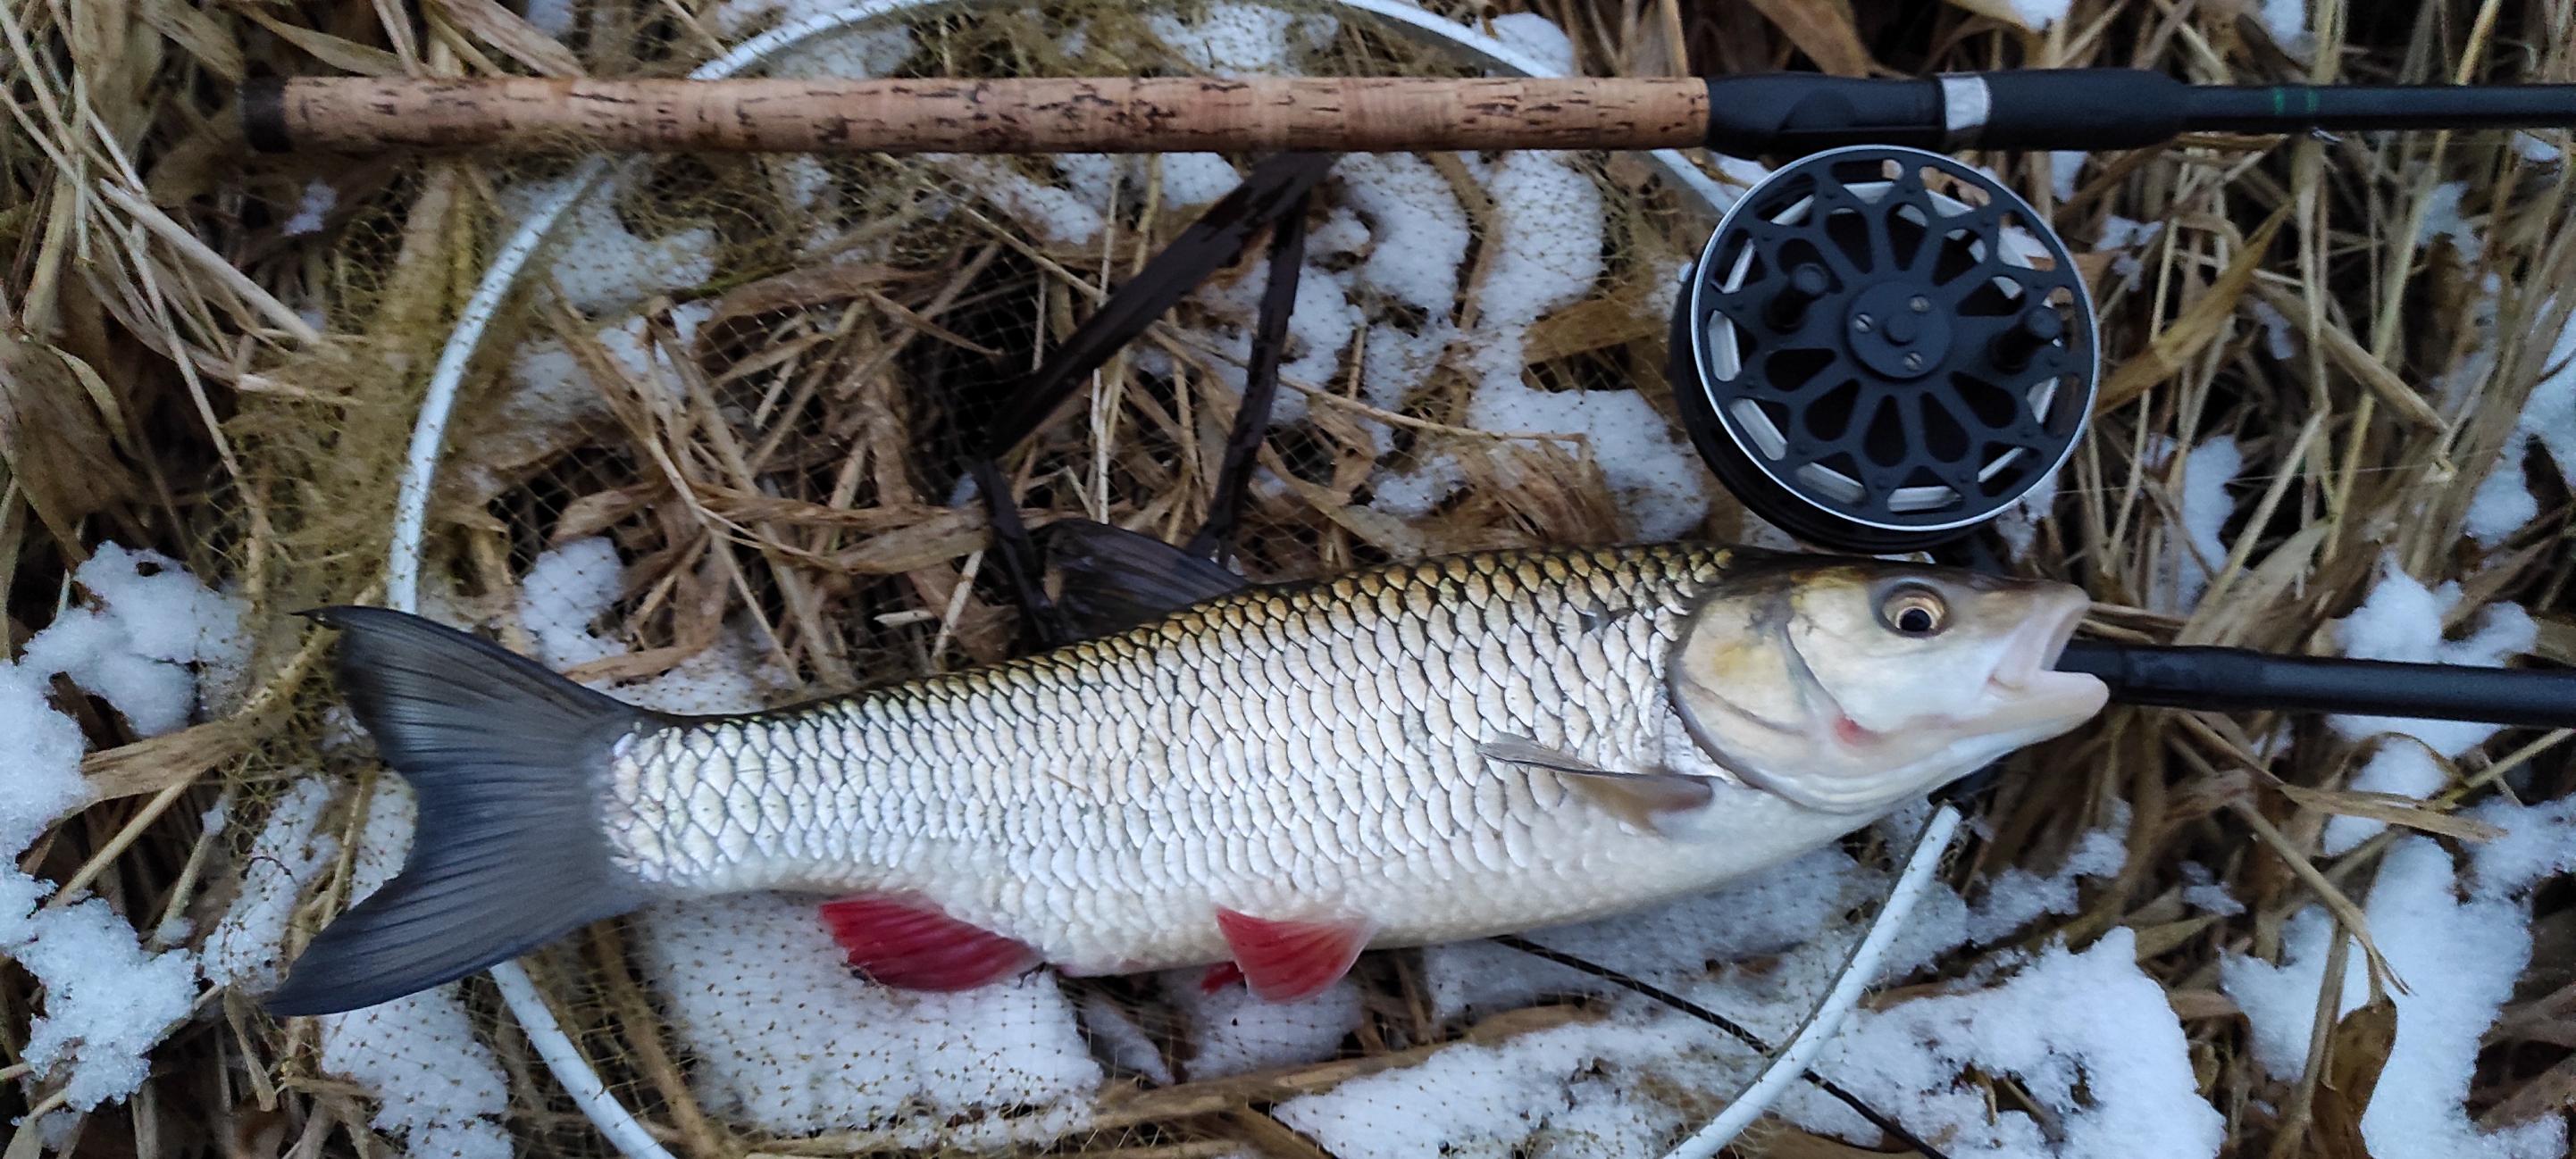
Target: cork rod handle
(1040, 115)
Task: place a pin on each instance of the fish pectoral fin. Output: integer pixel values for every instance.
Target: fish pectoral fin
(1641, 799)
(1287, 960)
(1115, 579)
(908, 943)
(1521, 750)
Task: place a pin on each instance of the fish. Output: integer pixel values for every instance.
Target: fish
(1266, 780)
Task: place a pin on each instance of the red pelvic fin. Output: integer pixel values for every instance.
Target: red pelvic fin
(908, 943)
(1284, 961)
(1220, 976)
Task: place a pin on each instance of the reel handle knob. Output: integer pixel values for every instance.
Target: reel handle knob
(2036, 329)
(1807, 283)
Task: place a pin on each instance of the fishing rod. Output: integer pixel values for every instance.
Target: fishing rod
(1745, 115)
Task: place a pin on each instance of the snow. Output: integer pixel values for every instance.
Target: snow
(107, 1002)
(1547, 254)
(552, 17)
(153, 629)
(1578, 1085)
(2186, 568)
(2018, 897)
(2401, 620)
(1060, 216)
(2539, 842)
(316, 202)
(437, 1085)
(2037, 15)
(1321, 320)
(565, 589)
(2129, 238)
(2280, 335)
(2537, 149)
(2459, 956)
(2400, 767)
(787, 1039)
(1669, 945)
(2503, 503)
(1233, 1032)
(2204, 892)
(291, 850)
(2064, 167)
(2442, 220)
(1191, 179)
(44, 757)
(1239, 40)
(1118, 1038)
(1537, 38)
(2286, 22)
(569, 587)
(598, 263)
(1412, 494)
(2088, 1035)
(151, 633)
(1423, 229)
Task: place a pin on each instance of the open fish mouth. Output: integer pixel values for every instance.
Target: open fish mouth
(2027, 674)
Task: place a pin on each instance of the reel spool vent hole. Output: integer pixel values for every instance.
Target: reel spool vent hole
(1881, 348)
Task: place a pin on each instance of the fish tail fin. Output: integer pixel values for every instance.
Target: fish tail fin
(506, 759)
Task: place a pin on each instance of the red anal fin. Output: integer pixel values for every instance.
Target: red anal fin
(907, 943)
(1284, 961)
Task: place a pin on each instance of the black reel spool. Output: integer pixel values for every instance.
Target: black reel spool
(1882, 348)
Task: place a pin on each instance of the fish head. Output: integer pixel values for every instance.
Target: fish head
(1850, 685)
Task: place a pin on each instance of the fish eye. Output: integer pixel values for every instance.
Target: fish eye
(1914, 610)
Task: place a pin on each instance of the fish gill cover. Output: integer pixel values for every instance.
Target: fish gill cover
(711, 457)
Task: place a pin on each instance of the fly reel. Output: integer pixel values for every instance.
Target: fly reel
(1881, 348)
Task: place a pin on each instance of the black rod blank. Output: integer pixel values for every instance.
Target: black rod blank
(2239, 679)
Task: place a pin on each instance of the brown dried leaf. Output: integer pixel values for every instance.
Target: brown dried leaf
(172, 758)
(348, 55)
(503, 29)
(2357, 1051)
(952, 533)
(1588, 325)
(198, 35)
(2348, 354)
(1824, 30)
(2390, 808)
(55, 437)
(2199, 325)
(796, 289)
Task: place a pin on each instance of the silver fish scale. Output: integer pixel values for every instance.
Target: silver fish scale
(1297, 753)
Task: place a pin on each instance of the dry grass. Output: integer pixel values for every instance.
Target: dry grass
(178, 371)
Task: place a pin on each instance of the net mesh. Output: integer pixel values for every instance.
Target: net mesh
(709, 456)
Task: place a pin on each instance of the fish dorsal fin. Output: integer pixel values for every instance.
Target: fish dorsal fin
(1115, 579)
(908, 943)
(1293, 959)
(1640, 799)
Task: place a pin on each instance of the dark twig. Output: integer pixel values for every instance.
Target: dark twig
(1205, 246)
(1722, 1022)
(1260, 386)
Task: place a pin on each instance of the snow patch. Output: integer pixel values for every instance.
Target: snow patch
(598, 263)
(310, 209)
(437, 1084)
(1233, 1032)
(2461, 958)
(2088, 1034)
(789, 1040)
(291, 850)
(2401, 619)
(1240, 40)
(2186, 568)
